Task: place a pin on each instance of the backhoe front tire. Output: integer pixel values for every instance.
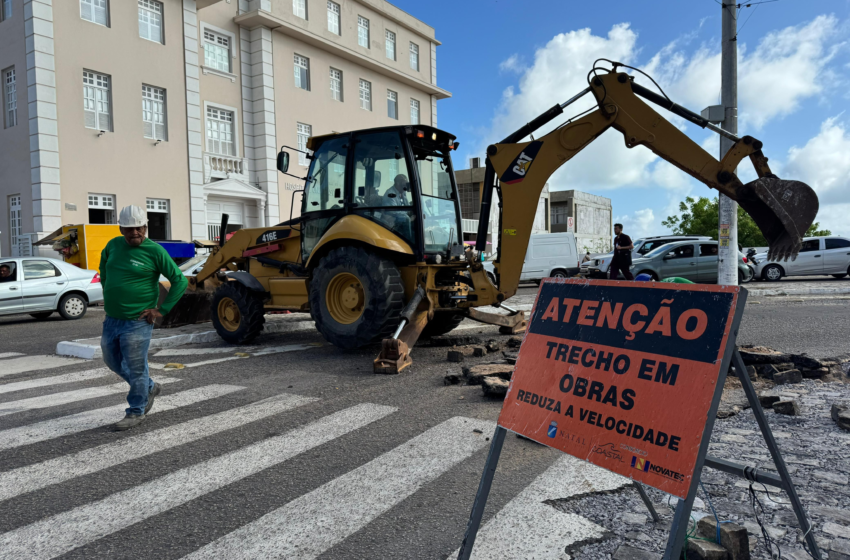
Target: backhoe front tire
(356, 297)
(443, 323)
(237, 313)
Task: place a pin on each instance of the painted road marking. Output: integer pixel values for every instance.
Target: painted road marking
(528, 528)
(55, 471)
(32, 363)
(71, 529)
(10, 354)
(314, 522)
(80, 422)
(234, 349)
(57, 399)
(55, 380)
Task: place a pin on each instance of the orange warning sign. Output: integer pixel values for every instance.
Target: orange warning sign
(622, 374)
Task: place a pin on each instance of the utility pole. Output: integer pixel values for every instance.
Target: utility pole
(727, 262)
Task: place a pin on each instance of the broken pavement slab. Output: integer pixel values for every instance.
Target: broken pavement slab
(788, 407)
(475, 375)
(788, 377)
(625, 552)
(495, 387)
(840, 413)
(706, 550)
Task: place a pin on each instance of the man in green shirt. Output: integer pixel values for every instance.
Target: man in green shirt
(130, 267)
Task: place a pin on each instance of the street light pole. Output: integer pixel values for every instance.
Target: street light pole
(727, 262)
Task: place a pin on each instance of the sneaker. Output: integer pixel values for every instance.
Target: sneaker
(157, 389)
(129, 421)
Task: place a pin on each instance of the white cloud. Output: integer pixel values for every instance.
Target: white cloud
(824, 164)
(641, 223)
(512, 64)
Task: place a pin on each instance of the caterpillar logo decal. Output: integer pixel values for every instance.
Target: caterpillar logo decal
(522, 164)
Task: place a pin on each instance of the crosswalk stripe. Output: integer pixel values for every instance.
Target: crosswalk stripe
(314, 522)
(529, 528)
(10, 354)
(234, 349)
(66, 531)
(55, 471)
(55, 380)
(57, 399)
(80, 422)
(33, 363)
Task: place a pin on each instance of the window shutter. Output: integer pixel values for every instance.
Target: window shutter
(160, 131)
(100, 15)
(91, 119)
(86, 11)
(103, 121)
(149, 130)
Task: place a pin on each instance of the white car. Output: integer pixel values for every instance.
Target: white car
(818, 256)
(41, 286)
(189, 268)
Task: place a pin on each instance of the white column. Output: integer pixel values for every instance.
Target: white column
(261, 212)
(194, 121)
(258, 114)
(43, 124)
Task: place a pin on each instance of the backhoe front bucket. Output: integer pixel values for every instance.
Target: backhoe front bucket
(783, 210)
(193, 307)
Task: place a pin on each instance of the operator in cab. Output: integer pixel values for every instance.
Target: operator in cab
(396, 195)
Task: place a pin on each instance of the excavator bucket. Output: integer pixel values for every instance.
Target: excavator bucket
(193, 307)
(783, 210)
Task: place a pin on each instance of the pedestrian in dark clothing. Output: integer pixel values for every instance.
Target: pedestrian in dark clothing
(622, 260)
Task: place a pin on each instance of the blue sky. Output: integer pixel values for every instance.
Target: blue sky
(505, 61)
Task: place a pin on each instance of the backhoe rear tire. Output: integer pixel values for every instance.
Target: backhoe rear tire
(356, 297)
(443, 323)
(237, 313)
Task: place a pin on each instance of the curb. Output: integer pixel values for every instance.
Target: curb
(92, 351)
(799, 291)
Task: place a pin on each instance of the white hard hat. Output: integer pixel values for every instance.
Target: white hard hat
(132, 216)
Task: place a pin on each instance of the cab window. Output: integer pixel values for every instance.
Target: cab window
(325, 186)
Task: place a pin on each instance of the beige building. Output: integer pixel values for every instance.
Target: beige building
(181, 106)
(587, 215)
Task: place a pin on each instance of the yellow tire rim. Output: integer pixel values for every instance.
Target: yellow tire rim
(345, 298)
(229, 315)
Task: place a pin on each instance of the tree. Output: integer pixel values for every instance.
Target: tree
(700, 217)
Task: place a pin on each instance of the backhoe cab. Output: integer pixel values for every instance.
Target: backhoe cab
(377, 251)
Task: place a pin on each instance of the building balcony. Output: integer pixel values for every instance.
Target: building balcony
(217, 166)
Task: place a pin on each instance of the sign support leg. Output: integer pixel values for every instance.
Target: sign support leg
(646, 501)
(483, 493)
(788, 485)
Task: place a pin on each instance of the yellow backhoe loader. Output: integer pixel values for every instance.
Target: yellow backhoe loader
(377, 251)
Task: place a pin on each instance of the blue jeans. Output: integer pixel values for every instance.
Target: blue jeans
(125, 350)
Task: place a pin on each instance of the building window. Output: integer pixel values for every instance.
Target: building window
(363, 32)
(220, 132)
(157, 218)
(469, 205)
(15, 221)
(392, 104)
(101, 209)
(333, 17)
(336, 84)
(302, 72)
(96, 101)
(95, 11)
(304, 132)
(299, 8)
(390, 45)
(153, 112)
(559, 214)
(365, 95)
(414, 56)
(150, 20)
(10, 97)
(216, 51)
(6, 10)
(414, 111)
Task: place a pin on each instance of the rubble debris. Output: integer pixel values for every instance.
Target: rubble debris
(451, 378)
(788, 376)
(767, 399)
(495, 387)
(476, 375)
(751, 373)
(839, 549)
(625, 552)
(840, 412)
(479, 351)
(732, 537)
(706, 550)
(515, 342)
(457, 354)
(449, 340)
(493, 345)
(511, 357)
(786, 406)
(761, 355)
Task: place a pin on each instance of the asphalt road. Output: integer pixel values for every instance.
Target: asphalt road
(296, 450)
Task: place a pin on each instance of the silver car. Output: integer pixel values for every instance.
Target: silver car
(41, 286)
(818, 256)
(693, 260)
(598, 267)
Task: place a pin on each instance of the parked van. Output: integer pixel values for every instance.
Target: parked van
(548, 255)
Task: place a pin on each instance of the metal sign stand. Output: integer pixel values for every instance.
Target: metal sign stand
(682, 514)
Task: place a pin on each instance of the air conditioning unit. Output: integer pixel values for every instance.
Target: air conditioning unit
(474, 163)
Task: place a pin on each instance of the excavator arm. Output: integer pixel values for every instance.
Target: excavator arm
(783, 210)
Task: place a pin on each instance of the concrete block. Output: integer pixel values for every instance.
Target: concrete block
(787, 377)
(705, 550)
(732, 537)
(495, 387)
(479, 351)
(788, 407)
